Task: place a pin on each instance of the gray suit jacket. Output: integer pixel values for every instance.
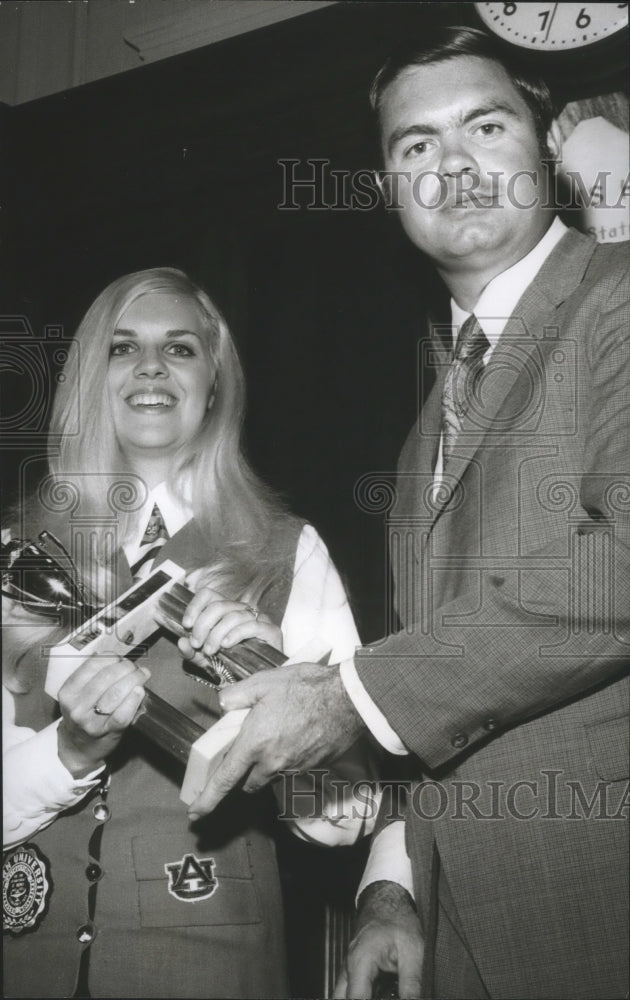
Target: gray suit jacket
(508, 679)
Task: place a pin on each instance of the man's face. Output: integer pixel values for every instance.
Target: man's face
(463, 132)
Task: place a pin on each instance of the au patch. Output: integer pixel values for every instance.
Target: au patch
(191, 879)
(26, 889)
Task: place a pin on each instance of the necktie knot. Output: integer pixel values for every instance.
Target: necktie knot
(155, 535)
(471, 341)
(155, 528)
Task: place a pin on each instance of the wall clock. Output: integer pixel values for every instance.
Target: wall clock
(554, 27)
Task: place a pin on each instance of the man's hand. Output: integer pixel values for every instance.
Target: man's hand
(388, 938)
(300, 716)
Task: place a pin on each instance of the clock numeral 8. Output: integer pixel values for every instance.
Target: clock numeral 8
(583, 20)
(509, 8)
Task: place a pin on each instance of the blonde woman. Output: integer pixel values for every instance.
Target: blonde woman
(131, 898)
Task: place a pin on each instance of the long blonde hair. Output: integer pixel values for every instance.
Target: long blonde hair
(230, 503)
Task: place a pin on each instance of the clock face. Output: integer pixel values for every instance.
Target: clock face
(553, 27)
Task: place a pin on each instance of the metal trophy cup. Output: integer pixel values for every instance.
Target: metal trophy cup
(37, 580)
(34, 577)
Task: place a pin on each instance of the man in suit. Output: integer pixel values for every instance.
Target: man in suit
(507, 683)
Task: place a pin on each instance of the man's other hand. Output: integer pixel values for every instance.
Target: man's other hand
(388, 939)
(300, 716)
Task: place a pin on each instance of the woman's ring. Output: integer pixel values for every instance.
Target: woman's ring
(99, 711)
(254, 611)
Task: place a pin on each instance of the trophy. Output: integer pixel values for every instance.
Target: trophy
(37, 579)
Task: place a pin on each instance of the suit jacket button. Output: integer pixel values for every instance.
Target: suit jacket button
(490, 725)
(459, 740)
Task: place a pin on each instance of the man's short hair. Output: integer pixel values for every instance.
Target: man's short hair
(439, 44)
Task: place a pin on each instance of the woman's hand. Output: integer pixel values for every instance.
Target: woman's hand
(214, 623)
(98, 702)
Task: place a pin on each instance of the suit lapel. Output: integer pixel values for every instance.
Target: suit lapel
(523, 344)
(437, 356)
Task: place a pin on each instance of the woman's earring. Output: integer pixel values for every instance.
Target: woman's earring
(213, 393)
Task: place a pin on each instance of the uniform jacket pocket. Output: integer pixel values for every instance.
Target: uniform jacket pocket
(182, 886)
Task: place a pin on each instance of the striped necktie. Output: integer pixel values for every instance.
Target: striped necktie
(154, 538)
(459, 385)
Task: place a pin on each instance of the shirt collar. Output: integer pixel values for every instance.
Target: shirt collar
(496, 303)
(175, 514)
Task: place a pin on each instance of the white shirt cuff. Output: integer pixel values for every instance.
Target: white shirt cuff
(369, 711)
(37, 786)
(388, 860)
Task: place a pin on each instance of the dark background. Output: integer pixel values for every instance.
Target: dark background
(177, 164)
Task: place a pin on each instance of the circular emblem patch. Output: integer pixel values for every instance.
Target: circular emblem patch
(26, 888)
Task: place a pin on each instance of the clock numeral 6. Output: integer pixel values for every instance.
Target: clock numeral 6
(582, 20)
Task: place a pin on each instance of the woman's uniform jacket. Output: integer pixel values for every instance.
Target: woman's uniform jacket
(508, 680)
(180, 910)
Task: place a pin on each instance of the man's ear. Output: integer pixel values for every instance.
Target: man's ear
(554, 141)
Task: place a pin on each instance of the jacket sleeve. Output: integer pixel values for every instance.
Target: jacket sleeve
(36, 785)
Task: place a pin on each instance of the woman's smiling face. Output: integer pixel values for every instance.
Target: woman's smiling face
(160, 375)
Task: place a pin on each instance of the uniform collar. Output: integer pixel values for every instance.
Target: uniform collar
(175, 514)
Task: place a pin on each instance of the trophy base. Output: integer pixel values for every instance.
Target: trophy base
(207, 752)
